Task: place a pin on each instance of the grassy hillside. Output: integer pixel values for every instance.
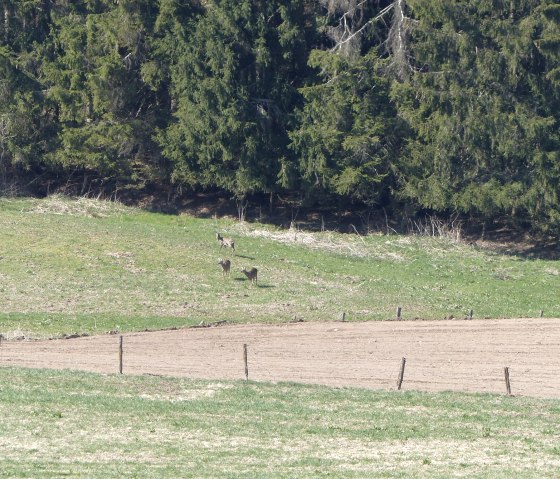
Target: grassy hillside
(60, 424)
(86, 266)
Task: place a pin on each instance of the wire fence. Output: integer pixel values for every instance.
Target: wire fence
(518, 357)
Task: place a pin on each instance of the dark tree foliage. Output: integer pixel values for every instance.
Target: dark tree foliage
(348, 130)
(484, 109)
(446, 105)
(94, 68)
(234, 76)
(26, 126)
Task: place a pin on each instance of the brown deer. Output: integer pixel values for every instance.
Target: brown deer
(251, 274)
(225, 264)
(225, 242)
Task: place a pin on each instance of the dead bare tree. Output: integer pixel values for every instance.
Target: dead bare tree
(346, 34)
(353, 23)
(241, 208)
(398, 41)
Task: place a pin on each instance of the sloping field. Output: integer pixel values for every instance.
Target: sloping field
(85, 266)
(457, 355)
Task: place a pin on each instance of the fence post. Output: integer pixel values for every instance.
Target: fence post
(245, 362)
(399, 310)
(120, 354)
(470, 314)
(342, 316)
(401, 374)
(508, 385)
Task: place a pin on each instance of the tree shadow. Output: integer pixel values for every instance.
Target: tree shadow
(520, 246)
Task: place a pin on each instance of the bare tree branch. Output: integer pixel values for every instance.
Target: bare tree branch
(351, 35)
(397, 41)
(351, 26)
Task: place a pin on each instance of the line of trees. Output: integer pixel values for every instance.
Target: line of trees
(443, 105)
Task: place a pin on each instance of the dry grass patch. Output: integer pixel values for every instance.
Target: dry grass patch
(325, 241)
(80, 206)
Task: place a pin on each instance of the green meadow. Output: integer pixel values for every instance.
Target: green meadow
(61, 424)
(85, 266)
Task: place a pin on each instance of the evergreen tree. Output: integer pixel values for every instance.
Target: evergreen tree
(347, 136)
(232, 84)
(93, 71)
(543, 193)
(483, 127)
(449, 105)
(25, 121)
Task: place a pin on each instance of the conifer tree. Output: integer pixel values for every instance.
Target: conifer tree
(231, 87)
(347, 134)
(25, 118)
(93, 72)
(476, 103)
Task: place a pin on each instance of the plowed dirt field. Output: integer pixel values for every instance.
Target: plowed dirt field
(440, 355)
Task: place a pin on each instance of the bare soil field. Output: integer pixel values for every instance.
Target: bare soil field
(456, 355)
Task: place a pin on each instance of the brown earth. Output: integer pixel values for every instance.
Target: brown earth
(440, 355)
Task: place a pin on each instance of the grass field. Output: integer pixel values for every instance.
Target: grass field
(58, 424)
(86, 266)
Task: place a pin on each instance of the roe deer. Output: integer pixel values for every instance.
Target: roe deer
(225, 242)
(251, 274)
(225, 264)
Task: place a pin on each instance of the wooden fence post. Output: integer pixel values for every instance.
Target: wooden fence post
(245, 362)
(399, 310)
(508, 385)
(470, 314)
(401, 374)
(342, 316)
(120, 354)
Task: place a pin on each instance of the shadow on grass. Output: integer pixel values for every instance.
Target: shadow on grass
(243, 256)
(258, 285)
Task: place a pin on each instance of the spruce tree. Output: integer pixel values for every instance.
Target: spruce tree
(232, 88)
(478, 103)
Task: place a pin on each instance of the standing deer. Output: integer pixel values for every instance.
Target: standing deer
(251, 274)
(225, 242)
(225, 264)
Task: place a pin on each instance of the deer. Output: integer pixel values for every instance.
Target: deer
(225, 242)
(251, 274)
(225, 264)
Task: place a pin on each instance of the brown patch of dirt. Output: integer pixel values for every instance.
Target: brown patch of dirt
(440, 355)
